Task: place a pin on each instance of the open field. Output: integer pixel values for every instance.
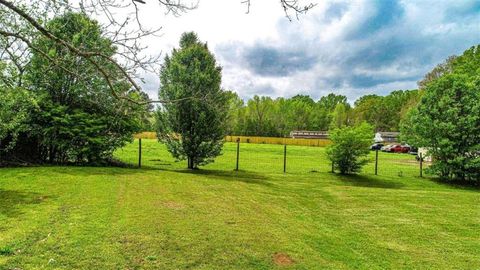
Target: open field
(165, 217)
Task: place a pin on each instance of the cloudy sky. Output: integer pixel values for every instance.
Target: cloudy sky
(348, 47)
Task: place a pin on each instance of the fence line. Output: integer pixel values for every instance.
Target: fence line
(280, 159)
(256, 139)
(277, 140)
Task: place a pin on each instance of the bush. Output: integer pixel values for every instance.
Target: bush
(349, 147)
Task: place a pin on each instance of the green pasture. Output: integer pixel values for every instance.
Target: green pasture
(163, 216)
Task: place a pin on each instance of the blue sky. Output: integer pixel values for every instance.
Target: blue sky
(348, 47)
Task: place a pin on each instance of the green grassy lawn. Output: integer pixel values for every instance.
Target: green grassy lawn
(165, 217)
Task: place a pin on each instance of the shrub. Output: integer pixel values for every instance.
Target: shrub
(349, 147)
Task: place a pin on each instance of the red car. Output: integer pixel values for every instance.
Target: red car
(400, 148)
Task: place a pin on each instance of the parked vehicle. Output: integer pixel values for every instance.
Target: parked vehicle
(376, 146)
(413, 151)
(406, 149)
(397, 148)
(386, 148)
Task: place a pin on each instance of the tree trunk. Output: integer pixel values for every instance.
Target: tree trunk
(190, 163)
(51, 157)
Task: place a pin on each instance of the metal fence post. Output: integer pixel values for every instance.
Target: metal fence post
(421, 165)
(238, 154)
(376, 161)
(284, 158)
(140, 152)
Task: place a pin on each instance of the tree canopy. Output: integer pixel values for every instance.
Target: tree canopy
(447, 119)
(72, 116)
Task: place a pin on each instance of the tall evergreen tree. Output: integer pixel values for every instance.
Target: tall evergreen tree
(193, 124)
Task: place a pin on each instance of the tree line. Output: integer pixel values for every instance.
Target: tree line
(265, 116)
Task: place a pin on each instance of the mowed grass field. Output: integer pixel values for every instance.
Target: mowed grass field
(165, 217)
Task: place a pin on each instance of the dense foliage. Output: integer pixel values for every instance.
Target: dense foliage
(76, 117)
(264, 116)
(447, 119)
(16, 106)
(193, 125)
(349, 148)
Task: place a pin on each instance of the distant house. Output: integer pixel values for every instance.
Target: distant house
(387, 136)
(305, 134)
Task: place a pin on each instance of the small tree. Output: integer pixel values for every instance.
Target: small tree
(192, 127)
(350, 146)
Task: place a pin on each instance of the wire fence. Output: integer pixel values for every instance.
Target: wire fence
(271, 158)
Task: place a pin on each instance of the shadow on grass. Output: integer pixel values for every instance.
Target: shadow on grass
(76, 170)
(92, 171)
(85, 171)
(241, 176)
(12, 200)
(367, 181)
(465, 185)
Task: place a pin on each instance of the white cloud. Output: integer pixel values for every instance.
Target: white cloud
(353, 47)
